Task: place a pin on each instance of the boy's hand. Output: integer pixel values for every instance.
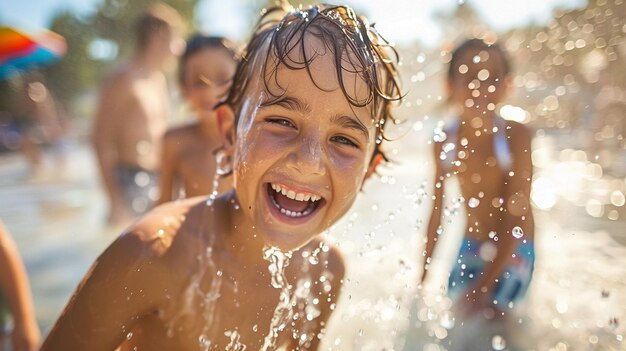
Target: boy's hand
(25, 337)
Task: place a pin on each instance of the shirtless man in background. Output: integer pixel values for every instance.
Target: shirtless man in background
(132, 113)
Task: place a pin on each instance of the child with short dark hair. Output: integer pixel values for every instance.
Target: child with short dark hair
(206, 70)
(302, 125)
(491, 158)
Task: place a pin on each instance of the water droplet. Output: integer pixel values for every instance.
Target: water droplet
(129, 335)
(617, 198)
(447, 319)
(473, 202)
(448, 147)
(476, 59)
(517, 232)
(255, 328)
(313, 260)
(498, 343)
(439, 135)
(483, 74)
(488, 251)
(439, 230)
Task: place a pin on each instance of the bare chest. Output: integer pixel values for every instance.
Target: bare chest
(227, 312)
(150, 102)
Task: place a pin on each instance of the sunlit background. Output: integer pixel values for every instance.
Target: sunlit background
(570, 89)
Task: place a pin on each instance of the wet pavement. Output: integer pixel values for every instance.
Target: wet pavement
(576, 301)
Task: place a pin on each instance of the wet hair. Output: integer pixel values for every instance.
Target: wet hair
(355, 44)
(199, 42)
(476, 45)
(156, 18)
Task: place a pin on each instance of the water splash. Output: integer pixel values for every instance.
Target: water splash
(284, 311)
(204, 343)
(197, 298)
(223, 167)
(447, 319)
(234, 344)
(195, 295)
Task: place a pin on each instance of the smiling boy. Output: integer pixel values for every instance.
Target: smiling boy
(302, 123)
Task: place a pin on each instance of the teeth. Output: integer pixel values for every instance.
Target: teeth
(295, 196)
(293, 213)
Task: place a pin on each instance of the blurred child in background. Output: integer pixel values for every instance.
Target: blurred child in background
(188, 164)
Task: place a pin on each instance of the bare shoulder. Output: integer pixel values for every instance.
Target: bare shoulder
(179, 133)
(155, 232)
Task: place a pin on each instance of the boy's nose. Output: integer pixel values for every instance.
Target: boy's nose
(308, 157)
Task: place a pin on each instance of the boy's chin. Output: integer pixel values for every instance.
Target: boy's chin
(286, 242)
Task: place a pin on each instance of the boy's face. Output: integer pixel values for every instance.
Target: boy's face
(208, 75)
(479, 79)
(300, 161)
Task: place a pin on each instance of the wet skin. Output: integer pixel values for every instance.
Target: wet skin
(313, 145)
(188, 158)
(131, 117)
(311, 141)
(503, 195)
(148, 289)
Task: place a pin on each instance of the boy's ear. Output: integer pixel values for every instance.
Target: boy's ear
(225, 125)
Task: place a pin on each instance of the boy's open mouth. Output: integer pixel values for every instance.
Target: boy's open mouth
(291, 203)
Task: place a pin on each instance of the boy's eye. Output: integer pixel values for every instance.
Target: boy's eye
(280, 121)
(343, 140)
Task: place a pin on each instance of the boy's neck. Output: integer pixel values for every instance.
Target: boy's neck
(243, 241)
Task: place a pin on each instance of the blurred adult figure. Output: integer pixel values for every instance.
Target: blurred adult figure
(132, 114)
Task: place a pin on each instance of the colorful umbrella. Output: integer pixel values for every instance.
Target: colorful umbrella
(21, 52)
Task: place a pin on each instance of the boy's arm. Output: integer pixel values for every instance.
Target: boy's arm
(168, 167)
(518, 212)
(435, 216)
(105, 128)
(114, 294)
(14, 284)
